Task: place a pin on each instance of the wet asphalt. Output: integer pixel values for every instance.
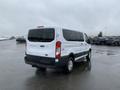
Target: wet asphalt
(16, 75)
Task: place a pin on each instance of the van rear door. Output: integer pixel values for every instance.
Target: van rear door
(41, 42)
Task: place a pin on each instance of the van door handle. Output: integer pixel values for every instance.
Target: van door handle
(81, 43)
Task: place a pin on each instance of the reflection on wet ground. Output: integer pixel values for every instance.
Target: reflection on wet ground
(55, 80)
(106, 50)
(16, 75)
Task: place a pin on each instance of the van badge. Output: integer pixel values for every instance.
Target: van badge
(42, 46)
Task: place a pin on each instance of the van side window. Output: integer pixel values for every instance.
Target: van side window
(72, 35)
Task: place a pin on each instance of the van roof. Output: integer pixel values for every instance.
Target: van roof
(47, 27)
(42, 27)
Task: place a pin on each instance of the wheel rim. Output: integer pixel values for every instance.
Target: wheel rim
(70, 65)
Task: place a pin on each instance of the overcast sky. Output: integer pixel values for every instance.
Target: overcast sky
(90, 16)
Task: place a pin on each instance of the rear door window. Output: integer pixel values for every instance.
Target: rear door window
(41, 35)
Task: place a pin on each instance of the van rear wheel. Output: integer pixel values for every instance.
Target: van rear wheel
(41, 69)
(69, 65)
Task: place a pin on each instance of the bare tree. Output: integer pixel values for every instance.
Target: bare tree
(100, 34)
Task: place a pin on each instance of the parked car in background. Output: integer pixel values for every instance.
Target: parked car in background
(20, 39)
(99, 40)
(11, 38)
(107, 40)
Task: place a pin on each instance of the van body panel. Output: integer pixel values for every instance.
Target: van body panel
(41, 49)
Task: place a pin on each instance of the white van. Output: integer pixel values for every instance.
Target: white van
(53, 47)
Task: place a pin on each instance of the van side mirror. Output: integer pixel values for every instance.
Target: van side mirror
(88, 41)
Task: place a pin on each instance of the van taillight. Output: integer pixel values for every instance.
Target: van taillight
(25, 45)
(58, 50)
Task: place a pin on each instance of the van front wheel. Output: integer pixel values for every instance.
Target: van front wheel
(88, 62)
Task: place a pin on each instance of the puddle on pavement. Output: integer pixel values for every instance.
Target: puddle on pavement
(107, 52)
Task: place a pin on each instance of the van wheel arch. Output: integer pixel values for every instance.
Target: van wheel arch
(90, 50)
(72, 55)
(88, 57)
(69, 65)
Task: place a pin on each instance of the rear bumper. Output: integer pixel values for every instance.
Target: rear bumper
(39, 61)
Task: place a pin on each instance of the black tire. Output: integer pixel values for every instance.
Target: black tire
(119, 43)
(88, 61)
(41, 69)
(69, 66)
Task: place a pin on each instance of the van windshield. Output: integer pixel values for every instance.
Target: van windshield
(41, 35)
